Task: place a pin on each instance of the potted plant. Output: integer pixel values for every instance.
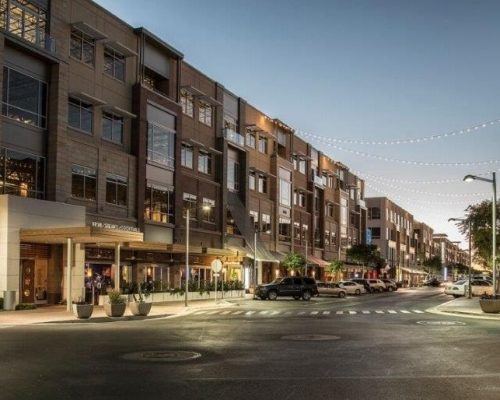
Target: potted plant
(115, 307)
(82, 310)
(139, 305)
(490, 303)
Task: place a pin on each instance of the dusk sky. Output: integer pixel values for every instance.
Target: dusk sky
(375, 70)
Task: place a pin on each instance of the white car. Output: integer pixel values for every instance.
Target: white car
(461, 288)
(330, 289)
(352, 287)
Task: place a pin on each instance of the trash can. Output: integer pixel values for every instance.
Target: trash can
(9, 299)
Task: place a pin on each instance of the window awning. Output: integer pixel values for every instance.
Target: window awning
(119, 111)
(89, 30)
(121, 48)
(318, 261)
(88, 98)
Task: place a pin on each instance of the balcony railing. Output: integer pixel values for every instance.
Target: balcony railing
(234, 137)
(32, 34)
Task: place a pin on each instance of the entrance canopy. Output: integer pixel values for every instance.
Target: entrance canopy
(84, 234)
(317, 261)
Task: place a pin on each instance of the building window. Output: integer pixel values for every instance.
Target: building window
(156, 82)
(208, 210)
(302, 166)
(343, 212)
(284, 229)
(296, 230)
(304, 231)
(190, 203)
(116, 189)
(159, 204)
(204, 162)
(26, 20)
(285, 187)
(83, 182)
(24, 98)
(187, 103)
(82, 47)
(205, 113)
(262, 183)
(187, 155)
(22, 174)
(250, 140)
(80, 115)
(282, 138)
(375, 233)
(112, 128)
(262, 145)
(254, 220)
(302, 199)
(330, 210)
(266, 223)
(374, 213)
(327, 238)
(161, 145)
(114, 64)
(233, 171)
(251, 180)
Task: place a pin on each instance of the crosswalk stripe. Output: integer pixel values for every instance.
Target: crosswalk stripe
(301, 313)
(288, 313)
(314, 312)
(200, 312)
(365, 312)
(225, 312)
(340, 312)
(405, 311)
(250, 312)
(392, 312)
(326, 312)
(353, 312)
(264, 312)
(275, 312)
(238, 312)
(379, 312)
(213, 312)
(418, 311)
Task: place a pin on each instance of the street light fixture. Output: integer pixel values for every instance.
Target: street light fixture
(205, 207)
(493, 181)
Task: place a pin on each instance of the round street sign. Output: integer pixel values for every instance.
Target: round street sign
(216, 266)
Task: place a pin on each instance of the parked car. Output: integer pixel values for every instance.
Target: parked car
(331, 289)
(390, 285)
(296, 287)
(434, 282)
(352, 287)
(363, 282)
(461, 288)
(376, 285)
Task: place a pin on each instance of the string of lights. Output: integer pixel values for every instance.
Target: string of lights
(411, 162)
(460, 132)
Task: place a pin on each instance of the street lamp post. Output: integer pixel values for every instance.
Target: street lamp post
(493, 181)
(470, 250)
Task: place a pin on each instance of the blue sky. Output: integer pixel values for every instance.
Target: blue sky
(370, 69)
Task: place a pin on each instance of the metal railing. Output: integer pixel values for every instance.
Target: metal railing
(234, 137)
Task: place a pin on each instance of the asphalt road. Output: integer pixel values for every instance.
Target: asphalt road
(381, 346)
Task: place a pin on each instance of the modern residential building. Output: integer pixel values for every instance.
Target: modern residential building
(454, 260)
(423, 236)
(109, 140)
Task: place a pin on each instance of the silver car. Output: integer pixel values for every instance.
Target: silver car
(330, 289)
(352, 287)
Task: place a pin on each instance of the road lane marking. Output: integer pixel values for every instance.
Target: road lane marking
(213, 312)
(392, 312)
(365, 312)
(264, 312)
(288, 313)
(379, 312)
(225, 312)
(326, 312)
(314, 312)
(340, 312)
(275, 312)
(250, 312)
(404, 311)
(353, 312)
(301, 313)
(200, 312)
(418, 311)
(238, 312)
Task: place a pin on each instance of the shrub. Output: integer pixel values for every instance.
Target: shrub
(25, 306)
(115, 297)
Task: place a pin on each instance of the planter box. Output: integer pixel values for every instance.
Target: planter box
(104, 298)
(490, 305)
(83, 311)
(140, 308)
(158, 297)
(115, 310)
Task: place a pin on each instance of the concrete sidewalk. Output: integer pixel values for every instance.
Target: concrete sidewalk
(58, 314)
(464, 307)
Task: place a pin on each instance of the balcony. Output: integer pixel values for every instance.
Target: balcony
(234, 137)
(26, 28)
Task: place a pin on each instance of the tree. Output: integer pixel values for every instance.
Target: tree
(480, 217)
(335, 267)
(366, 254)
(294, 262)
(432, 265)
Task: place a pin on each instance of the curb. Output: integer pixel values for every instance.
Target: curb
(463, 314)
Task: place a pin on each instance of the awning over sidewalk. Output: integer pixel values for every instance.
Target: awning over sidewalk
(414, 271)
(318, 261)
(83, 234)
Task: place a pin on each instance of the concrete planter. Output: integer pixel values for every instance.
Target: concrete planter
(114, 310)
(490, 305)
(140, 308)
(159, 297)
(83, 311)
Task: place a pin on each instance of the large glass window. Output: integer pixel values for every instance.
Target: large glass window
(82, 47)
(262, 145)
(21, 174)
(251, 180)
(114, 64)
(285, 187)
(24, 98)
(205, 113)
(208, 210)
(187, 155)
(233, 171)
(83, 182)
(284, 229)
(254, 219)
(161, 145)
(374, 213)
(251, 140)
(266, 223)
(190, 203)
(26, 20)
(262, 183)
(80, 115)
(112, 128)
(204, 162)
(159, 204)
(187, 103)
(116, 189)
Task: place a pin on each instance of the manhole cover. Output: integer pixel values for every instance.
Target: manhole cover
(310, 337)
(162, 356)
(441, 323)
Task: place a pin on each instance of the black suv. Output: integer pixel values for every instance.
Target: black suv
(296, 287)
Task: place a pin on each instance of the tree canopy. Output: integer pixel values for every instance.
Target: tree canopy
(432, 265)
(365, 254)
(294, 261)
